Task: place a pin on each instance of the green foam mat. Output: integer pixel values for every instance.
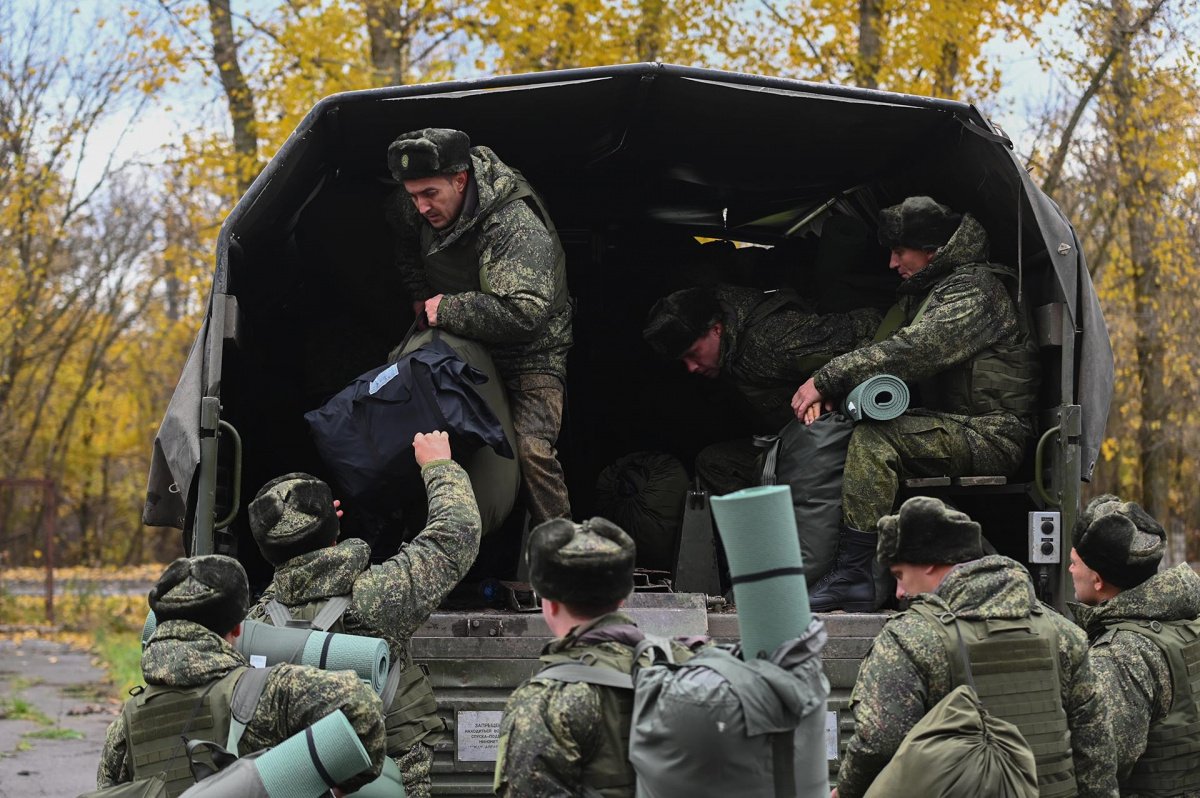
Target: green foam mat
(880, 398)
(288, 770)
(390, 783)
(758, 528)
(366, 656)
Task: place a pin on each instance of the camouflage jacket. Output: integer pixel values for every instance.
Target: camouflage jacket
(907, 672)
(516, 319)
(393, 599)
(767, 359)
(185, 654)
(1132, 671)
(552, 730)
(970, 311)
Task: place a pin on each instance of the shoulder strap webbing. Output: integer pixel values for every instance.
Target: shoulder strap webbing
(333, 610)
(246, 693)
(279, 614)
(783, 764)
(572, 673)
(392, 684)
(892, 320)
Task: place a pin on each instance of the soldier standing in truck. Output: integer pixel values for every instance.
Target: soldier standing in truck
(480, 258)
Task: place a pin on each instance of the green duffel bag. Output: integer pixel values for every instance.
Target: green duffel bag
(960, 750)
(152, 787)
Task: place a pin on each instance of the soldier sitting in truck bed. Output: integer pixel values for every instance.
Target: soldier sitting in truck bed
(295, 524)
(961, 340)
(763, 343)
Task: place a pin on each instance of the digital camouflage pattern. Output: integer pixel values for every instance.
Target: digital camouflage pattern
(906, 673)
(516, 319)
(768, 358)
(552, 731)
(185, 654)
(393, 599)
(537, 409)
(970, 311)
(1132, 671)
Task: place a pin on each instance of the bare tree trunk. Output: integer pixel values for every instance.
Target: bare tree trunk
(870, 43)
(388, 33)
(1137, 190)
(649, 38)
(947, 72)
(237, 93)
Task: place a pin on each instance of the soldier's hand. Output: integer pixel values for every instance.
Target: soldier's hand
(807, 398)
(430, 446)
(431, 309)
(418, 307)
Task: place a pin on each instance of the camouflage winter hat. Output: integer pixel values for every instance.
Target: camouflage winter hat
(677, 320)
(429, 152)
(586, 563)
(293, 515)
(1119, 540)
(918, 222)
(927, 532)
(211, 590)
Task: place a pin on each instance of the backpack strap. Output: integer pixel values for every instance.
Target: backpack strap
(391, 685)
(246, 693)
(279, 614)
(331, 613)
(783, 767)
(575, 672)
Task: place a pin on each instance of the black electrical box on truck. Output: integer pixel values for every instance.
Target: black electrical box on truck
(638, 165)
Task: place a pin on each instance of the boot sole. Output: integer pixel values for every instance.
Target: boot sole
(853, 606)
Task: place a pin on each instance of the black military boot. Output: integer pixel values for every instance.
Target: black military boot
(850, 586)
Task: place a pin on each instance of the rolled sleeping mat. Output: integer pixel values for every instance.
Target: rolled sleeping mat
(390, 783)
(758, 528)
(148, 628)
(366, 656)
(304, 765)
(879, 398)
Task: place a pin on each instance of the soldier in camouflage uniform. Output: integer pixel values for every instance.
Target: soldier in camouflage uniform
(961, 342)
(480, 258)
(1144, 628)
(558, 738)
(295, 525)
(935, 554)
(200, 603)
(763, 344)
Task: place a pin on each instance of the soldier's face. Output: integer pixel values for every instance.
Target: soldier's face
(908, 261)
(704, 356)
(438, 199)
(1087, 581)
(912, 580)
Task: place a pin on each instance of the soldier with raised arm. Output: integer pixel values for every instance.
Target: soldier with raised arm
(295, 524)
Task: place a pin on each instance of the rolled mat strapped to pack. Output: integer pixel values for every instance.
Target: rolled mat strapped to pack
(879, 398)
(366, 656)
(304, 765)
(758, 528)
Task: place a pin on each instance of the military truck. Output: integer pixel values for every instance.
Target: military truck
(657, 177)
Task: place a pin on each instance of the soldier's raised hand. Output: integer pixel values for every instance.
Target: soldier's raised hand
(430, 446)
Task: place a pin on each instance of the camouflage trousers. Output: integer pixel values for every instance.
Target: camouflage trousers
(415, 766)
(728, 466)
(537, 409)
(923, 443)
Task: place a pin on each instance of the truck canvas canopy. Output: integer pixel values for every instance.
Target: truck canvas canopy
(636, 163)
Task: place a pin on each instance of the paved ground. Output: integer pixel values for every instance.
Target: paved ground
(63, 685)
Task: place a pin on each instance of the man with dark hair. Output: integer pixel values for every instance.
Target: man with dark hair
(190, 665)
(480, 257)
(1144, 629)
(560, 738)
(295, 524)
(1030, 664)
(960, 340)
(762, 343)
